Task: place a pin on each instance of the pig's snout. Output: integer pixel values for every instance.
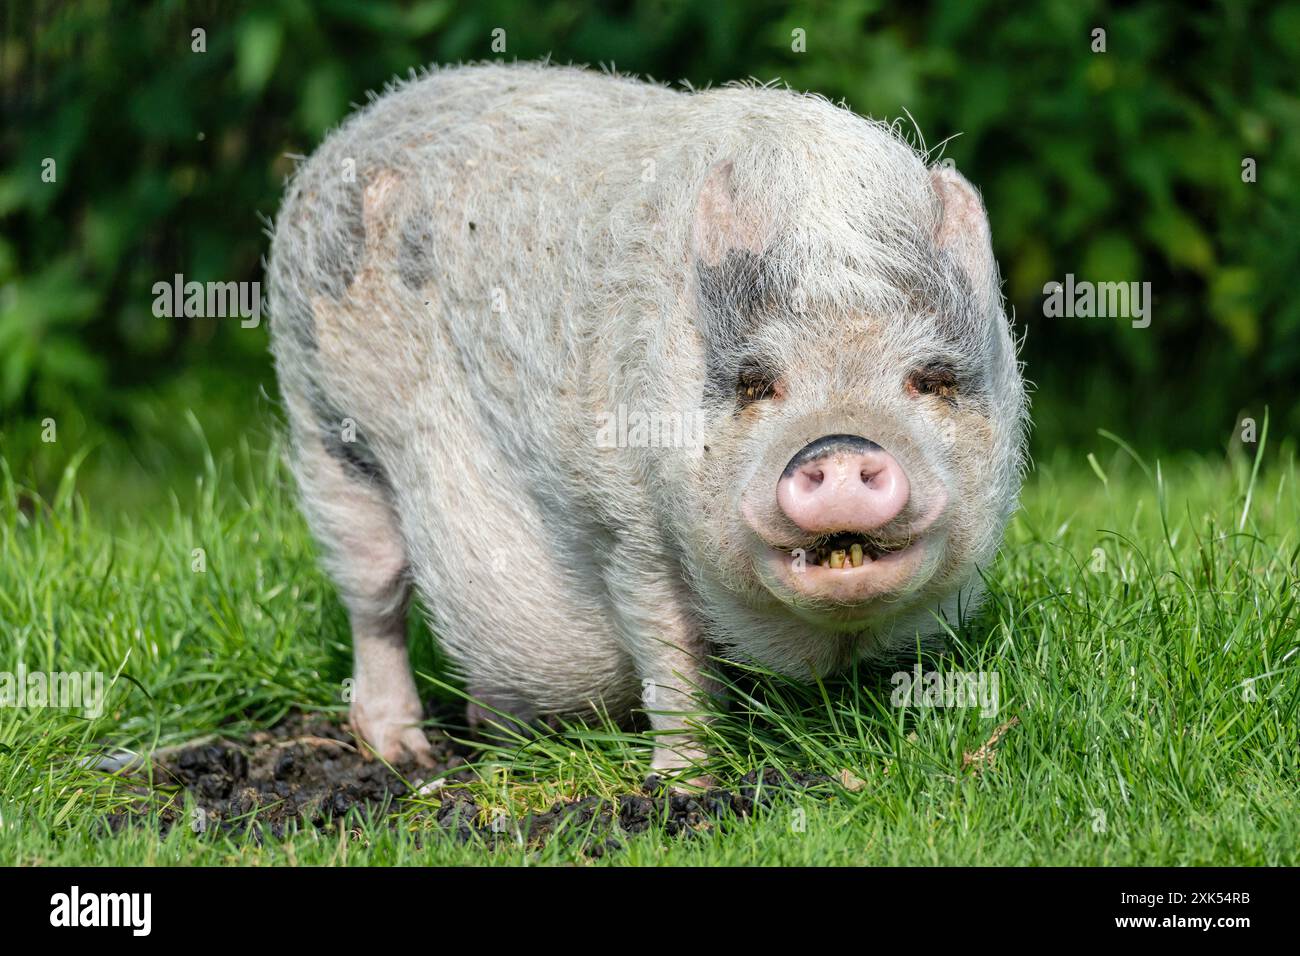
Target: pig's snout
(842, 483)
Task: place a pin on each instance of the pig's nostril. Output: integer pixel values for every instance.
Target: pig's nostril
(873, 475)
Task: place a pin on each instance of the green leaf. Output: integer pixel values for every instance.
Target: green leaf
(259, 49)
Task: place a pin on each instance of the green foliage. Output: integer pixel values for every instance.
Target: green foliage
(1122, 165)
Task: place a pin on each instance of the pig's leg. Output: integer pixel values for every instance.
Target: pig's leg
(663, 637)
(519, 608)
(352, 518)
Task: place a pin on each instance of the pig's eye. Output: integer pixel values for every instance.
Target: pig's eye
(755, 384)
(937, 379)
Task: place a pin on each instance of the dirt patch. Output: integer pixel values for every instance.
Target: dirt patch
(599, 824)
(308, 771)
(305, 770)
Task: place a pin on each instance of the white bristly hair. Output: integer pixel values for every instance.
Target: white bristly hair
(482, 264)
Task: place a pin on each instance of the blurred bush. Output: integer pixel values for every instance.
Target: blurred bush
(1123, 165)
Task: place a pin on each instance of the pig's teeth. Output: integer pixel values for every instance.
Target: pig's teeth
(855, 555)
(837, 559)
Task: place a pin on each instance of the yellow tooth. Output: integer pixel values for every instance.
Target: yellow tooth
(855, 555)
(837, 559)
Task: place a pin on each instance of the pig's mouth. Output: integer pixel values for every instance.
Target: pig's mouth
(847, 549)
(848, 570)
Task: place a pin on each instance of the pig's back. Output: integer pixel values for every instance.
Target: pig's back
(448, 230)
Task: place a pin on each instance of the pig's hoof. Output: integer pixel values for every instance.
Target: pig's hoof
(693, 786)
(678, 772)
(411, 745)
(396, 742)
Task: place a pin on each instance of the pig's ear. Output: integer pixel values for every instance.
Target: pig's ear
(720, 227)
(963, 232)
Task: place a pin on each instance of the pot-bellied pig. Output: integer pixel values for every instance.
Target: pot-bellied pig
(616, 378)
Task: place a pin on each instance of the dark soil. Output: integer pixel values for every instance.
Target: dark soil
(308, 771)
(598, 824)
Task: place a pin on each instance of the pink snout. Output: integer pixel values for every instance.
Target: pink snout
(842, 483)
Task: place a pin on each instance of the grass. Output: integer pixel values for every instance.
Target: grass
(1142, 624)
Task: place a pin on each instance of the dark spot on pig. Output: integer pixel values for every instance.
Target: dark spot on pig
(357, 458)
(719, 373)
(339, 249)
(415, 250)
(355, 455)
(734, 292)
(938, 292)
(472, 227)
(735, 297)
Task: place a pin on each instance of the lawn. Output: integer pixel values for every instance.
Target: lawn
(1141, 624)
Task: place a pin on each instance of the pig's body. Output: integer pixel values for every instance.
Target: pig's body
(482, 264)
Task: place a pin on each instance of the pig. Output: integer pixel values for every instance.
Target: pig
(486, 281)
